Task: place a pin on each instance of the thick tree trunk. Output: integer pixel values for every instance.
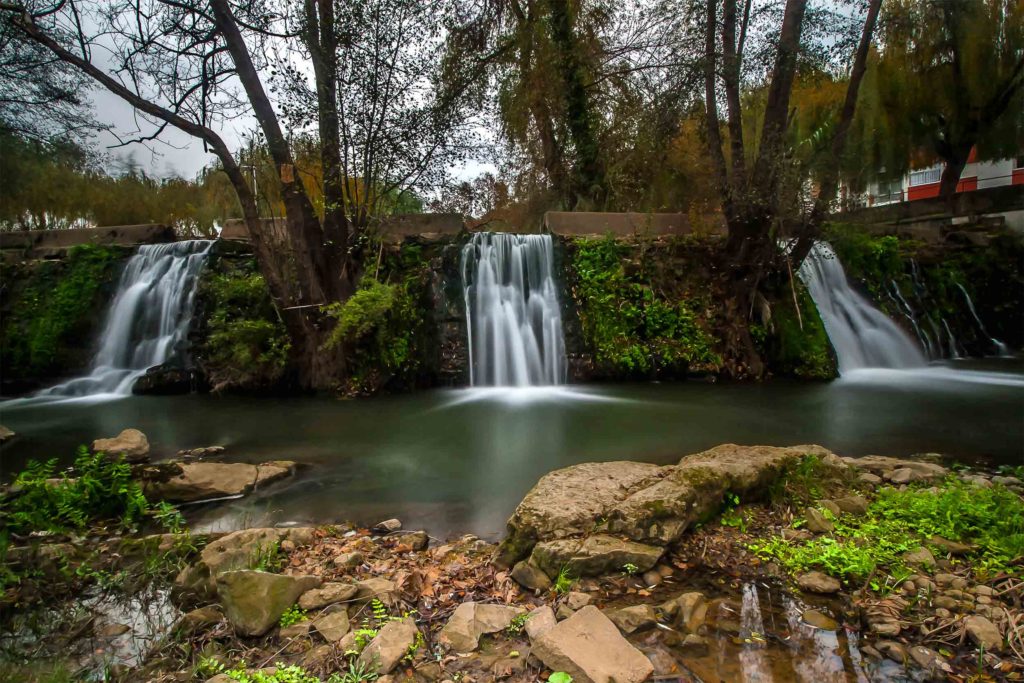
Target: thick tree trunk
(951, 173)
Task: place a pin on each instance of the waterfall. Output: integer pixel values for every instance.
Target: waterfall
(148, 318)
(1002, 350)
(514, 321)
(862, 335)
(753, 660)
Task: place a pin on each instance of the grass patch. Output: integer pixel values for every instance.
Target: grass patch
(992, 519)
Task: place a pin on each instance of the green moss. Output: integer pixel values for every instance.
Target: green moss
(632, 330)
(245, 343)
(797, 346)
(56, 311)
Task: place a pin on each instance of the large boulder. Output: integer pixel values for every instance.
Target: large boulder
(472, 620)
(593, 556)
(130, 444)
(254, 601)
(204, 481)
(388, 647)
(245, 549)
(645, 503)
(589, 647)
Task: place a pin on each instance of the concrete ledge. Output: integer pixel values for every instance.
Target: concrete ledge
(593, 223)
(392, 229)
(115, 235)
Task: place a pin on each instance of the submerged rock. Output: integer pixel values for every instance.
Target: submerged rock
(130, 443)
(634, 618)
(472, 620)
(255, 600)
(687, 610)
(589, 647)
(819, 620)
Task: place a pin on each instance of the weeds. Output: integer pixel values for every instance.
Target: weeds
(564, 581)
(293, 615)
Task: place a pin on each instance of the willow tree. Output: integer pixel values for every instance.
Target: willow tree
(948, 77)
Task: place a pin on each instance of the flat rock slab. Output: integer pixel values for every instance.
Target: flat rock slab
(333, 626)
(328, 594)
(388, 647)
(204, 481)
(254, 601)
(589, 647)
(593, 556)
(472, 620)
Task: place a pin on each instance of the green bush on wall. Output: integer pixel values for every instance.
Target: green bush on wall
(631, 330)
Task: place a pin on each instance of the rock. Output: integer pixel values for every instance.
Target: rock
(539, 621)
(238, 550)
(1002, 481)
(130, 443)
(529, 576)
(945, 602)
(634, 618)
(589, 647)
(197, 620)
(472, 620)
(269, 472)
(687, 610)
(853, 505)
(417, 540)
(652, 578)
(575, 600)
(111, 630)
(332, 626)
(646, 503)
(375, 587)
(983, 590)
(817, 522)
(951, 547)
(816, 582)
(921, 557)
(388, 526)
(254, 600)
(945, 579)
(886, 628)
(296, 630)
(977, 480)
(884, 466)
(318, 657)
(328, 594)
(984, 633)
(6, 434)
(903, 475)
(389, 646)
(796, 535)
(893, 650)
(348, 560)
(929, 660)
(831, 506)
(593, 556)
(200, 453)
(819, 620)
(564, 612)
(694, 645)
(869, 479)
(204, 481)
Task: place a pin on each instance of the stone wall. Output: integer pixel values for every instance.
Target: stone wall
(34, 244)
(594, 223)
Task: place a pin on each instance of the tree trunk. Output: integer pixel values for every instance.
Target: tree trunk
(951, 173)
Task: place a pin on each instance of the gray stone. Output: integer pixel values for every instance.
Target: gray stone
(197, 620)
(417, 540)
(884, 466)
(977, 480)
(472, 620)
(831, 506)
(296, 630)
(853, 505)
(652, 577)
(929, 660)
(130, 444)
(348, 560)
(817, 582)
(575, 600)
(886, 627)
(589, 647)
(893, 650)
(388, 647)
(817, 522)
(1002, 481)
(388, 526)
(903, 475)
(951, 547)
(634, 618)
(529, 576)
(328, 594)
(539, 621)
(687, 610)
(254, 601)
(921, 557)
(984, 633)
(819, 620)
(796, 535)
(870, 479)
(594, 556)
(269, 472)
(332, 626)
(945, 579)
(111, 630)
(375, 587)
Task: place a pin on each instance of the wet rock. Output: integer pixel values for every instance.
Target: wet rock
(817, 582)
(198, 620)
(984, 633)
(130, 443)
(652, 578)
(694, 645)
(204, 481)
(816, 522)
(375, 587)
(819, 620)
(635, 618)
(472, 620)
(417, 540)
(575, 600)
(332, 626)
(929, 660)
(920, 557)
(529, 576)
(950, 547)
(723, 616)
(687, 610)
(646, 503)
(348, 560)
(328, 594)
(539, 622)
(389, 646)
(111, 630)
(200, 453)
(886, 627)
(589, 647)
(796, 535)
(388, 526)
(254, 600)
(892, 650)
(269, 472)
(6, 434)
(594, 556)
(853, 505)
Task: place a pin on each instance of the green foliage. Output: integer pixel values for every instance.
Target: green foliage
(102, 490)
(559, 677)
(632, 330)
(630, 569)
(56, 308)
(875, 260)
(356, 673)
(517, 624)
(799, 345)
(246, 344)
(899, 521)
(564, 581)
(292, 615)
(266, 557)
(805, 482)
(282, 674)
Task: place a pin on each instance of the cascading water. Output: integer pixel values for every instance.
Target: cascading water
(147, 320)
(514, 320)
(1001, 349)
(862, 336)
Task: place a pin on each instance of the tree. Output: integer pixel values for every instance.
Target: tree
(948, 77)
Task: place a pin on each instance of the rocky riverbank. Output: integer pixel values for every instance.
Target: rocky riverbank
(785, 563)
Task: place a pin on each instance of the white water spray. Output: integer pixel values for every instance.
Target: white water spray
(514, 320)
(147, 320)
(862, 335)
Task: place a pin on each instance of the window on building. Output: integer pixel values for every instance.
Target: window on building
(890, 190)
(928, 175)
